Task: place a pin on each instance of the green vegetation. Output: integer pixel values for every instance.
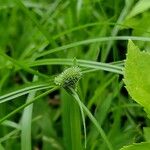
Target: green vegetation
(63, 66)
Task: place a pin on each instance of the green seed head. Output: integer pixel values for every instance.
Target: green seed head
(69, 77)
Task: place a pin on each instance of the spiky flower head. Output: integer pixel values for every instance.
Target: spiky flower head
(69, 77)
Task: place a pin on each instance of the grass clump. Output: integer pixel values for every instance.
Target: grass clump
(86, 104)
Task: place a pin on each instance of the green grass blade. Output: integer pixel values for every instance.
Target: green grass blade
(83, 120)
(92, 118)
(116, 28)
(26, 104)
(71, 123)
(23, 66)
(82, 63)
(23, 91)
(11, 124)
(33, 18)
(9, 135)
(26, 122)
(89, 41)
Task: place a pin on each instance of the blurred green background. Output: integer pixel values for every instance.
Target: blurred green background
(94, 30)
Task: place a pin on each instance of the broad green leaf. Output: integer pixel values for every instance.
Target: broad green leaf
(1, 147)
(137, 75)
(140, 7)
(146, 131)
(137, 146)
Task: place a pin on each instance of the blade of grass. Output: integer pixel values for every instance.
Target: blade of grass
(20, 92)
(71, 123)
(26, 3)
(11, 124)
(16, 130)
(116, 28)
(26, 104)
(89, 41)
(9, 135)
(23, 66)
(26, 122)
(33, 19)
(83, 120)
(4, 79)
(82, 63)
(99, 90)
(80, 27)
(92, 118)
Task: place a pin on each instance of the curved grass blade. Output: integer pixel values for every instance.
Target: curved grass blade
(20, 92)
(26, 122)
(26, 104)
(89, 41)
(82, 63)
(91, 117)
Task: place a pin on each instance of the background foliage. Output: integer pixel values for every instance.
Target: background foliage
(38, 39)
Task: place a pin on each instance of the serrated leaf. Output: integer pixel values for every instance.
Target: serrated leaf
(146, 132)
(137, 75)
